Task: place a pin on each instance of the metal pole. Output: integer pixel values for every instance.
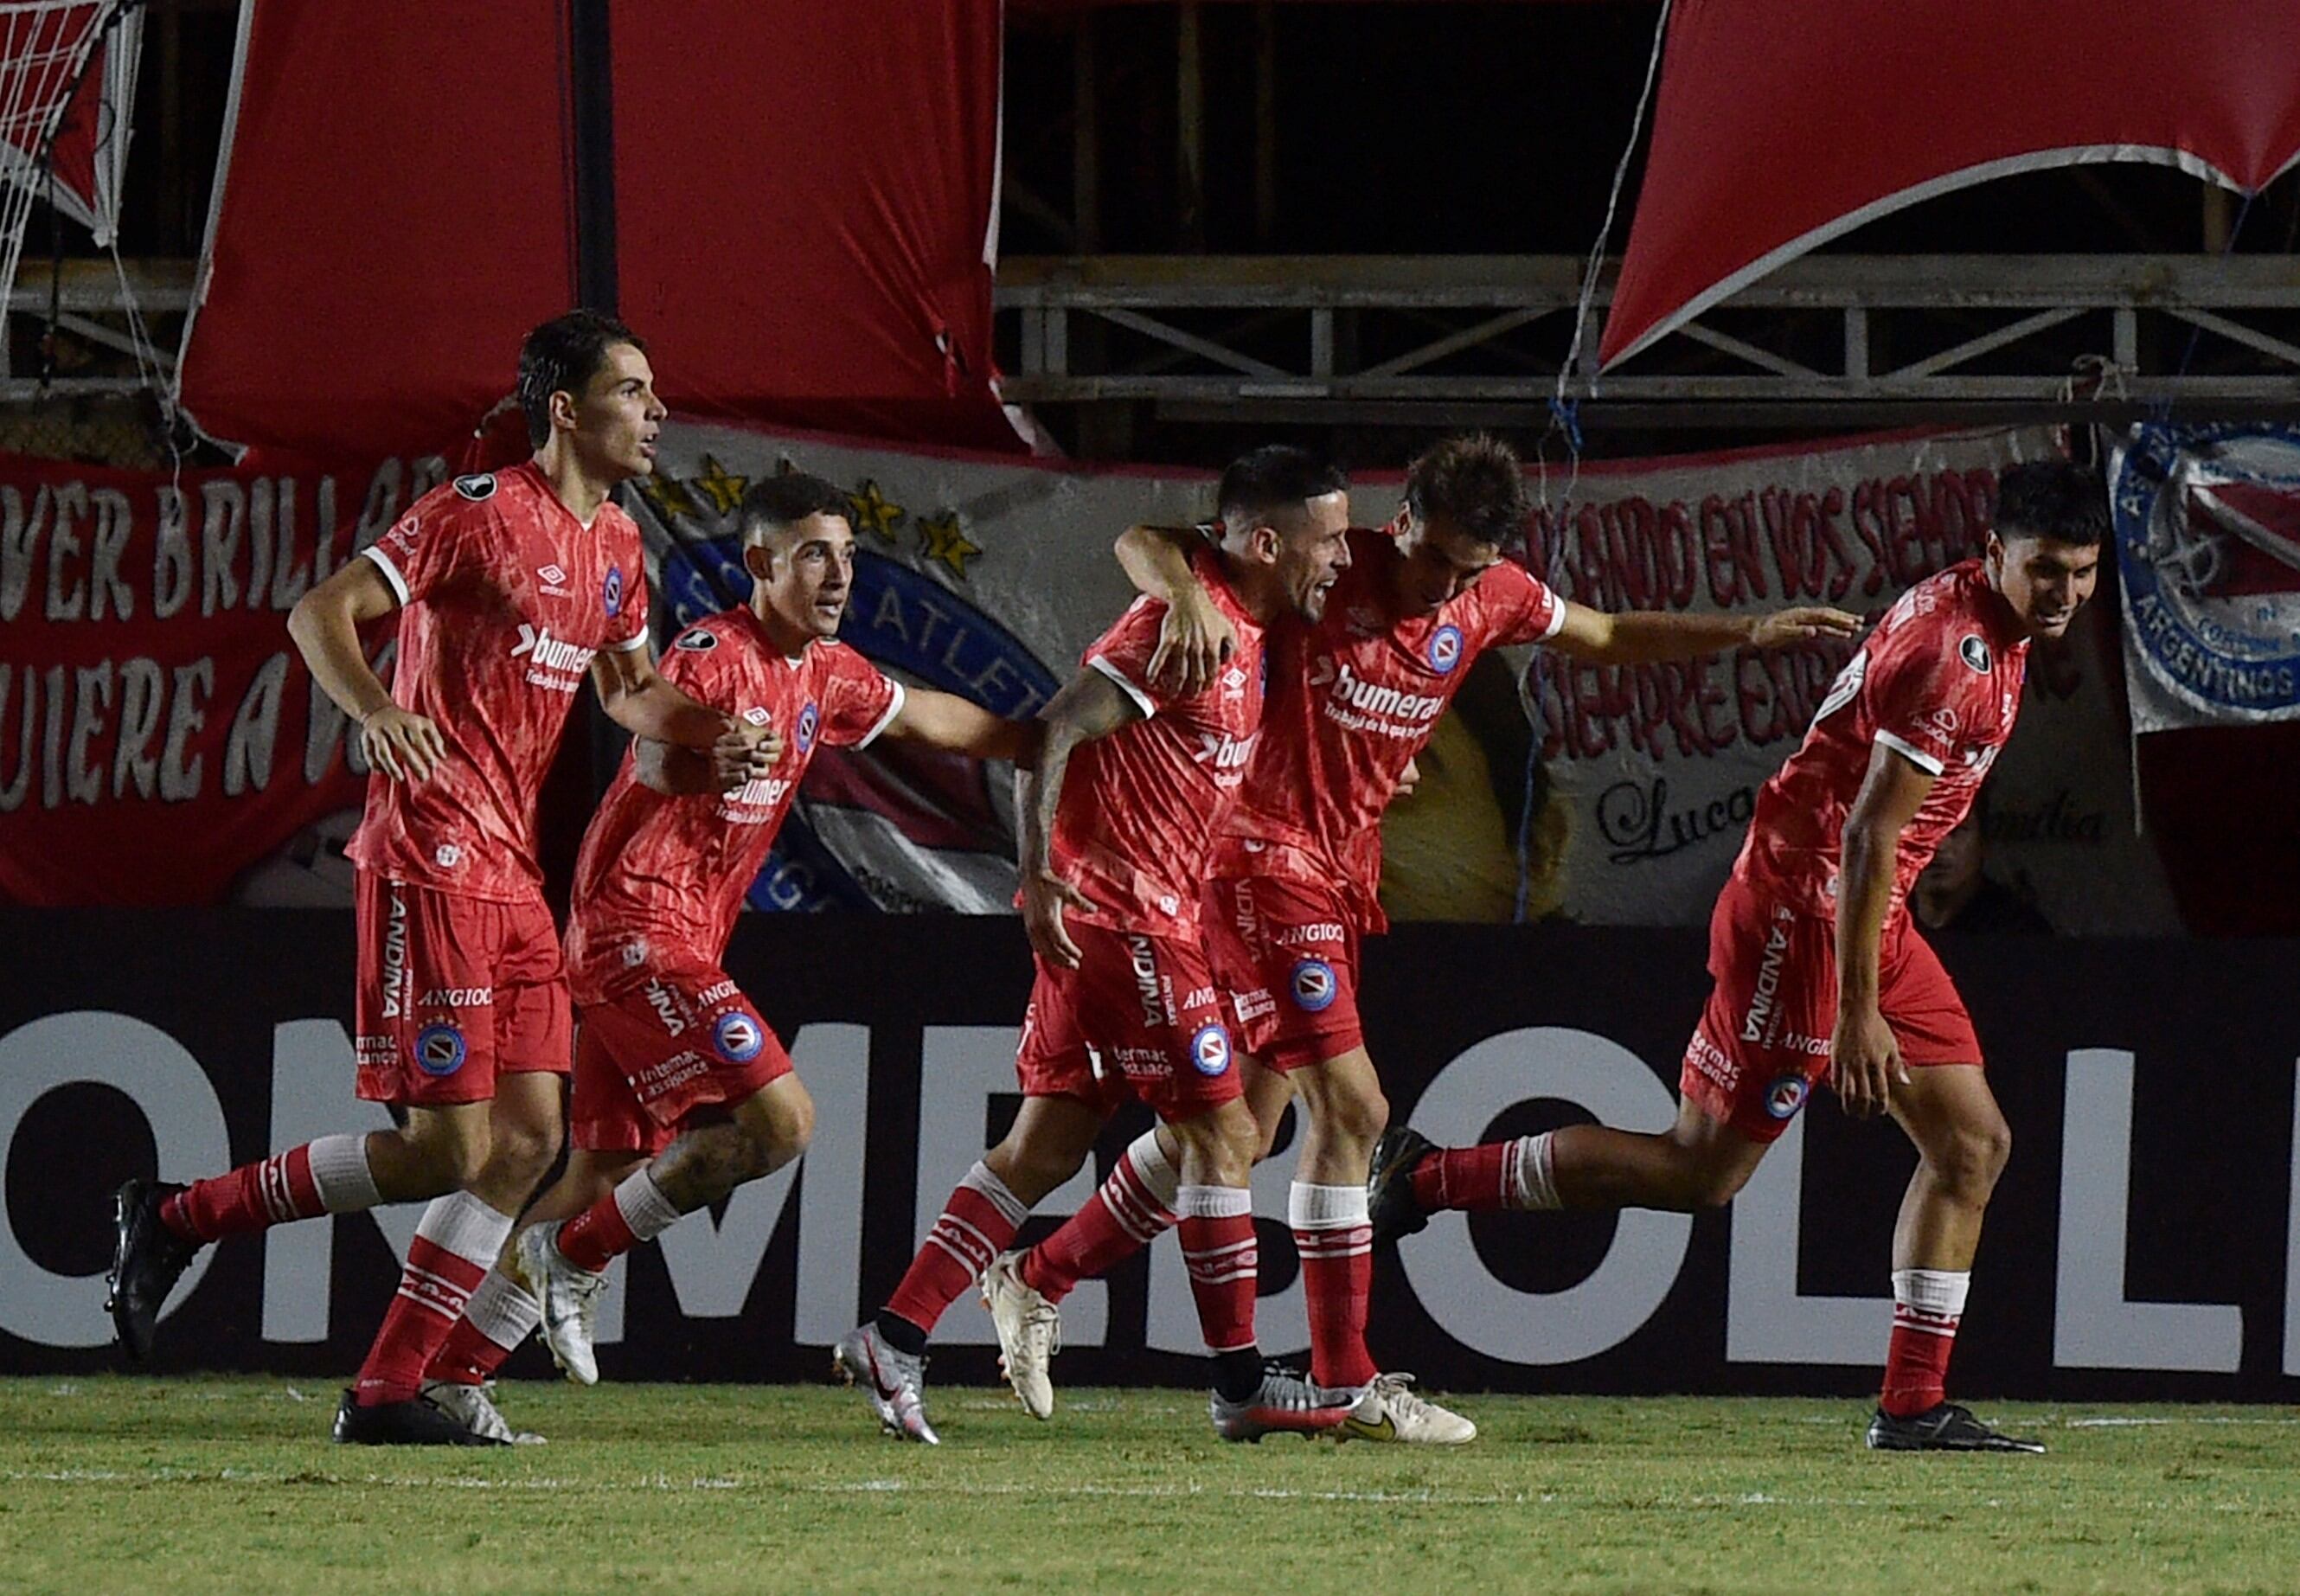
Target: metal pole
(591, 101)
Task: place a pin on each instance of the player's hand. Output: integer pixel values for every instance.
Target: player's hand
(1044, 894)
(1864, 1062)
(1410, 778)
(1801, 624)
(745, 752)
(404, 747)
(1192, 641)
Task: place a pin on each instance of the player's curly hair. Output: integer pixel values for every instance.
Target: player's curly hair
(777, 501)
(562, 356)
(2053, 498)
(1475, 483)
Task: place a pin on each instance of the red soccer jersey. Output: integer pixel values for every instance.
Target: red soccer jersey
(1939, 682)
(1352, 700)
(505, 597)
(660, 879)
(1140, 808)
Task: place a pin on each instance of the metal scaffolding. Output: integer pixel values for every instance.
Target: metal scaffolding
(1827, 341)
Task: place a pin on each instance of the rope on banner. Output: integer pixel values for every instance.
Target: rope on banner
(1565, 419)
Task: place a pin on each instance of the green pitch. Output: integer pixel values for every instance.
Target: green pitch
(148, 1486)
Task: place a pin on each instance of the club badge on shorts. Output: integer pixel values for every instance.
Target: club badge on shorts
(1786, 1095)
(441, 1050)
(1312, 985)
(1210, 1050)
(737, 1037)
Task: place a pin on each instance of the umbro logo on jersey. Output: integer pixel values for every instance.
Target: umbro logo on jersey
(554, 581)
(478, 486)
(1974, 653)
(755, 716)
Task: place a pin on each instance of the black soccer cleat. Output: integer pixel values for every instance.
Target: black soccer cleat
(1389, 1188)
(147, 1259)
(1943, 1427)
(417, 1422)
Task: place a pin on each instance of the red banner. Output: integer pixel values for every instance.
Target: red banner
(158, 732)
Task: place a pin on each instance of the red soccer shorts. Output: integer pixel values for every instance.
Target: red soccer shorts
(684, 1040)
(1140, 1014)
(1290, 954)
(1763, 1037)
(453, 992)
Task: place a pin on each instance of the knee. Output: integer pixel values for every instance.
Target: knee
(445, 1157)
(1971, 1158)
(1707, 1183)
(1219, 1148)
(520, 1150)
(788, 1135)
(1358, 1117)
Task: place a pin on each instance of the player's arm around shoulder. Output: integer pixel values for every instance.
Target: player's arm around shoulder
(325, 626)
(1646, 637)
(944, 721)
(1194, 637)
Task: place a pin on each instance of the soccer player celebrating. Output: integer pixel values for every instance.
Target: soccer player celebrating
(669, 1046)
(1117, 823)
(1819, 974)
(1354, 697)
(510, 588)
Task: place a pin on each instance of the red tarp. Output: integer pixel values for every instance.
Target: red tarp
(802, 196)
(1782, 124)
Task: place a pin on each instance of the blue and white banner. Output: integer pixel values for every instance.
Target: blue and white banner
(2208, 544)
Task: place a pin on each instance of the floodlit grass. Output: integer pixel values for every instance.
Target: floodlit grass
(116, 1486)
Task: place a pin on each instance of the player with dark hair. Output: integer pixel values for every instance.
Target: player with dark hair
(510, 587)
(681, 1092)
(1818, 972)
(1117, 823)
(1354, 697)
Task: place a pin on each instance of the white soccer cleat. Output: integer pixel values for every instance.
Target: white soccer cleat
(1029, 1332)
(1392, 1411)
(895, 1381)
(474, 1408)
(570, 1296)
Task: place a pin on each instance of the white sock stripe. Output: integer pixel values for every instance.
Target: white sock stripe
(461, 1223)
(503, 1310)
(972, 1263)
(1136, 1214)
(340, 1173)
(1533, 1182)
(981, 1180)
(1212, 1202)
(448, 1309)
(957, 1232)
(1935, 1291)
(1205, 1277)
(1241, 1245)
(272, 1187)
(1158, 1177)
(1334, 1244)
(644, 1207)
(1324, 1207)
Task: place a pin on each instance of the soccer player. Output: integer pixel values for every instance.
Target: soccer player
(1819, 973)
(681, 1092)
(1354, 697)
(1117, 823)
(509, 587)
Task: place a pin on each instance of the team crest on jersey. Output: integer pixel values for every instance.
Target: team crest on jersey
(1445, 651)
(697, 640)
(1312, 985)
(1974, 652)
(809, 720)
(441, 1050)
(478, 487)
(737, 1037)
(1786, 1096)
(610, 592)
(1210, 1050)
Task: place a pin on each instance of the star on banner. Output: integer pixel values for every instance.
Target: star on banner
(669, 498)
(875, 513)
(947, 540)
(725, 490)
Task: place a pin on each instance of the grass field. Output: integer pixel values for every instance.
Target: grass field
(147, 1486)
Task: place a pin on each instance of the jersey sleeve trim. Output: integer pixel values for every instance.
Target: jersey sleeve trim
(894, 708)
(1142, 700)
(638, 639)
(1915, 756)
(1556, 616)
(391, 576)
